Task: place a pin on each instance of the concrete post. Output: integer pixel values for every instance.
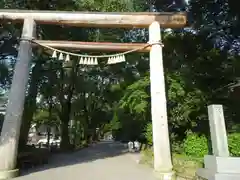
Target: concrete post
(218, 131)
(12, 122)
(219, 166)
(161, 145)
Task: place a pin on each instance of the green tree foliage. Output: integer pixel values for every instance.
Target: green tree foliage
(195, 145)
(148, 134)
(199, 66)
(42, 117)
(234, 146)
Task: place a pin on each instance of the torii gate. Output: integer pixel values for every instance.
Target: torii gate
(12, 122)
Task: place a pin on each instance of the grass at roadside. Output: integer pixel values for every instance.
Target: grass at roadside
(183, 165)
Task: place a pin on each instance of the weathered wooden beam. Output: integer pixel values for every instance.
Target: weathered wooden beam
(95, 46)
(98, 19)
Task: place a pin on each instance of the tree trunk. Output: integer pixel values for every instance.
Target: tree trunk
(30, 105)
(65, 118)
(87, 133)
(50, 106)
(65, 141)
(48, 136)
(66, 111)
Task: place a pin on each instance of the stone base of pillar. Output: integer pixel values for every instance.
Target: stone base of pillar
(165, 175)
(220, 168)
(209, 175)
(9, 174)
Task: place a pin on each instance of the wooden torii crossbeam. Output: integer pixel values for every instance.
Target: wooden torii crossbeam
(95, 46)
(98, 19)
(12, 122)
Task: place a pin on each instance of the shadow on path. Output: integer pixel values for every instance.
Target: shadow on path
(101, 150)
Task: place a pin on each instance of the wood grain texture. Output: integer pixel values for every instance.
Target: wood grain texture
(98, 19)
(95, 46)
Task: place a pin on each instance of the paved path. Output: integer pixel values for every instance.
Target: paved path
(103, 161)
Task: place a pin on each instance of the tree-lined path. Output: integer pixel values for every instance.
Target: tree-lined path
(105, 160)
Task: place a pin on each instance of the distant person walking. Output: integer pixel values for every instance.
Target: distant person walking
(130, 146)
(136, 146)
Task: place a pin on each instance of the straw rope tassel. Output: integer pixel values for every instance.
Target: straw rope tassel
(121, 58)
(95, 61)
(118, 59)
(89, 61)
(114, 60)
(109, 60)
(124, 59)
(54, 55)
(92, 61)
(81, 60)
(61, 56)
(85, 61)
(67, 58)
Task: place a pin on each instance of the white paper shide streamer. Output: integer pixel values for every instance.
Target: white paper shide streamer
(116, 59)
(89, 60)
(82, 60)
(93, 60)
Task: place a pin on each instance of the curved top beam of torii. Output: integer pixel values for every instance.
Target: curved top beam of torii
(98, 19)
